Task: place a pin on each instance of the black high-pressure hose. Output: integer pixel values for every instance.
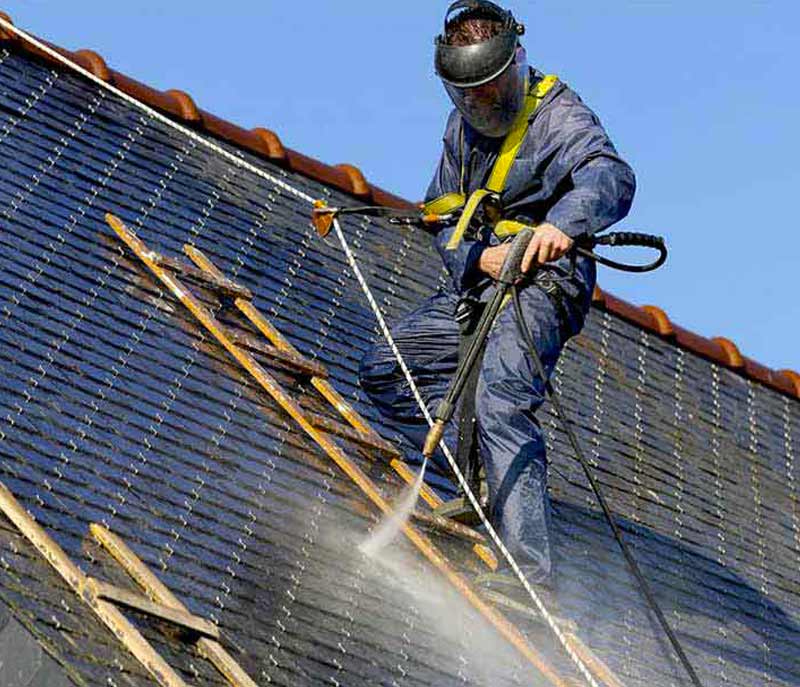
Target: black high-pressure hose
(625, 238)
(644, 586)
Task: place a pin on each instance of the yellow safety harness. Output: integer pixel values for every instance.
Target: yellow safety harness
(450, 202)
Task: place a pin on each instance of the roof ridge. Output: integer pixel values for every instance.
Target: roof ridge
(351, 180)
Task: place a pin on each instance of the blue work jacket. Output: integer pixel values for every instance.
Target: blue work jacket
(567, 173)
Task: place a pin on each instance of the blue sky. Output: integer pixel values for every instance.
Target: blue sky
(700, 97)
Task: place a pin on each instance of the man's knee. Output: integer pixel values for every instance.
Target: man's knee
(509, 381)
(510, 436)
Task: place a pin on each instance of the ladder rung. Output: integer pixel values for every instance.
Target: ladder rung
(296, 362)
(222, 285)
(138, 602)
(460, 510)
(338, 429)
(451, 527)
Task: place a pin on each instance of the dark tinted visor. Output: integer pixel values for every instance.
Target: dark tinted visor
(492, 107)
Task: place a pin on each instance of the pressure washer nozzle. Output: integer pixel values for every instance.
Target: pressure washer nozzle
(322, 217)
(433, 438)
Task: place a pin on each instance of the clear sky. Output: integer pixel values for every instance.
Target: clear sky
(700, 96)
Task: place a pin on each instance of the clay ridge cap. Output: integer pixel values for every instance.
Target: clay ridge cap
(719, 350)
(348, 178)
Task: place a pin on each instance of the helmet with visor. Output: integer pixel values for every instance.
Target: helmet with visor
(485, 76)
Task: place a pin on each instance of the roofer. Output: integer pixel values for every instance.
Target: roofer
(565, 178)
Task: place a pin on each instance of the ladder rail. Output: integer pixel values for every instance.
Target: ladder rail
(321, 384)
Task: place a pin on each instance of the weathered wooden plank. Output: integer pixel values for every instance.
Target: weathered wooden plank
(109, 614)
(159, 592)
(123, 597)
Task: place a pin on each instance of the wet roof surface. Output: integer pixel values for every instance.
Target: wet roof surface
(118, 408)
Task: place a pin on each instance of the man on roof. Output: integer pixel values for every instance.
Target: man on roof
(529, 143)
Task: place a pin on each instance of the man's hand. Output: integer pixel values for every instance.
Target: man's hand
(549, 243)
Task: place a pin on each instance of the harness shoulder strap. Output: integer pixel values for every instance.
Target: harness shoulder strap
(513, 141)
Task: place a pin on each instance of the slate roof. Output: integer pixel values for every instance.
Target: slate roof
(118, 408)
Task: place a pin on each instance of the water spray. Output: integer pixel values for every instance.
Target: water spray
(392, 523)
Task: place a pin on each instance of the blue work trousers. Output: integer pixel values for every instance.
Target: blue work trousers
(509, 392)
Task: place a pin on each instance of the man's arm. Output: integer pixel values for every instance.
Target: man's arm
(600, 194)
(592, 186)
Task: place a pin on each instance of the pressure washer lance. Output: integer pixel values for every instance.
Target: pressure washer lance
(509, 274)
(322, 216)
(508, 286)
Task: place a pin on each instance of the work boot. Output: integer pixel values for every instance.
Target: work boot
(506, 591)
(461, 510)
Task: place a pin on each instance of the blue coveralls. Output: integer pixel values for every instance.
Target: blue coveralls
(569, 174)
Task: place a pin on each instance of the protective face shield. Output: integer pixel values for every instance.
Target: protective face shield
(486, 81)
(491, 108)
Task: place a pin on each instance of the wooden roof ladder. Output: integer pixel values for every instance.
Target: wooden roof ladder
(322, 429)
(106, 600)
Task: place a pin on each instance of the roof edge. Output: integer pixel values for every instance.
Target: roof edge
(718, 349)
(348, 178)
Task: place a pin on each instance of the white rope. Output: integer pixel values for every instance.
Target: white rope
(370, 299)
